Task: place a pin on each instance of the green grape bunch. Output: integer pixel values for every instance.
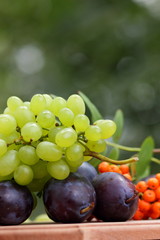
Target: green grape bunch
(48, 137)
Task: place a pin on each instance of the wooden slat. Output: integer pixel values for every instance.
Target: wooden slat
(131, 230)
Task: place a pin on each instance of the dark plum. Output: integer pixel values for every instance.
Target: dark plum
(116, 197)
(87, 170)
(16, 203)
(71, 200)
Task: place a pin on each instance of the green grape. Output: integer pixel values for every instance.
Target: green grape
(87, 158)
(7, 124)
(108, 128)
(36, 185)
(66, 137)
(45, 133)
(13, 102)
(43, 217)
(9, 162)
(57, 104)
(7, 177)
(66, 116)
(73, 169)
(31, 132)
(48, 151)
(40, 169)
(27, 155)
(53, 132)
(46, 119)
(76, 104)
(81, 122)
(23, 174)
(97, 146)
(14, 146)
(12, 137)
(74, 163)
(8, 111)
(37, 103)
(74, 152)
(3, 147)
(48, 100)
(23, 115)
(93, 133)
(26, 104)
(2, 136)
(59, 169)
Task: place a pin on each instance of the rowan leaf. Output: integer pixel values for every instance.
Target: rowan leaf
(95, 114)
(145, 155)
(114, 153)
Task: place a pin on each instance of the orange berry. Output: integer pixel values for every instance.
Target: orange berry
(114, 168)
(158, 177)
(153, 183)
(124, 168)
(149, 195)
(156, 207)
(141, 186)
(154, 215)
(146, 215)
(144, 206)
(157, 192)
(103, 167)
(138, 215)
(128, 175)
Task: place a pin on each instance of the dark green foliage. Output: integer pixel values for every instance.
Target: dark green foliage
(109, 50)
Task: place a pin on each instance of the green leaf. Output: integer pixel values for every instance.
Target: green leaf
(145, 155)
(119, 120)
(146, 172)
(114, 153)
(95, 114)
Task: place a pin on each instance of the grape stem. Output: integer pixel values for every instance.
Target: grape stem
(19, 141)
(106, 159)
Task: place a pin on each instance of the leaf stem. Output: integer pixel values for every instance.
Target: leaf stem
(130, 149)
(153, 159)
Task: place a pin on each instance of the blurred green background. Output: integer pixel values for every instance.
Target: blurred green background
(110, 50)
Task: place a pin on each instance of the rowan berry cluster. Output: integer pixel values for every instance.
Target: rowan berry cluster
(122, 169)
(149, 199)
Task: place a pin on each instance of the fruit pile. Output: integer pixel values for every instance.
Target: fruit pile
(41, 139)
(45, 146)
(122, 169)
(149, 198)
